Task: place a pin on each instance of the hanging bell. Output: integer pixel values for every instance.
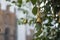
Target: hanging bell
(38, 20)
(24, 21)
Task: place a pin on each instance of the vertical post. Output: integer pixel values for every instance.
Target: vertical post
(15, 37)
(6, 36)
(6, 15)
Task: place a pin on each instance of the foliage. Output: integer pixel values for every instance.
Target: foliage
(34, 10)
(19, 2)
(46, 29)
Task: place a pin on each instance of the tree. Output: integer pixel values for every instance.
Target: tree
(47, 19)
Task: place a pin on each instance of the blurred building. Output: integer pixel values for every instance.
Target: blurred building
(7, 24)
(8, 28)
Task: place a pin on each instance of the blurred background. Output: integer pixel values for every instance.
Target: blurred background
(29, 20)
(9, 14)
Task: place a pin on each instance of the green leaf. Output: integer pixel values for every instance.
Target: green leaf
(19, 5)
(30, 22)
(34, 11)
(19, 2)
(38, 26)
(13, 2)
(33, 1)
(44, 1)
(27, 0)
